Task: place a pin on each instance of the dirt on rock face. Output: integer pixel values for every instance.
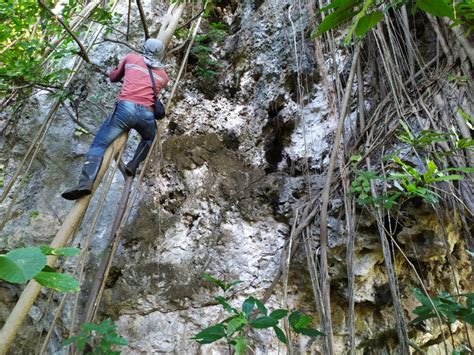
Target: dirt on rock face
(226, 176)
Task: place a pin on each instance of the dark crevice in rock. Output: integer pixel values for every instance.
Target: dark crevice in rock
(277, 134)
(114, 274)
(231, 141)
(258, 3)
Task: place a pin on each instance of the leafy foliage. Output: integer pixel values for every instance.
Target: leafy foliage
(23, 264)
(447, 306)
(27, 34)
(363, 15)
(100, 337)
(207, 67)
(252, 315)
(410, 181)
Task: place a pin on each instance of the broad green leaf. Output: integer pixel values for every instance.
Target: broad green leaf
(240, 345)
(436, 7)
(294, 318)
(210, 335)
(248, 306)
(280, 335)
(367, 22)
(303, 321)
(337, 3)
(21, 265)
(337, 17)
(298, 320)
(58, 282)
(279, 313)
(263, 322)
(311, 332)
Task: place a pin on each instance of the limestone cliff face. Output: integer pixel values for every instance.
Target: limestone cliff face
(240, 153)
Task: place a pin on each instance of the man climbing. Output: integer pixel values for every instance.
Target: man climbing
(134, 109)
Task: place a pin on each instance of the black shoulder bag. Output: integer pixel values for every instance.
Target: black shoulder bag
(159, 109)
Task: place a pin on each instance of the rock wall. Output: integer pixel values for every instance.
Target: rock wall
(240, 153)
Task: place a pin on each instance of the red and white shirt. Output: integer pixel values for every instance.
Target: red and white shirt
(137, 85)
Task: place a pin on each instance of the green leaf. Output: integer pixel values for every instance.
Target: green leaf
(248, 306)
(367, 22)
(280, 335)
(224, 286)
(298, 320)
(226, 305)
(46, 250)
(436, 8)
(69, 340)
(69, 251)
(263, 322)
(462, 169)
(240, 345)
(48, 268)
(303, 321)
(117, 340)
(58, 282)
(339, 16)
(279, 313)
(235, 324)
(210, 335)
(261, 307)
(215, 281)
(232, 284)
(21, 265)
(447, 178)
(469, 318)
(311, 332)
(294, 318)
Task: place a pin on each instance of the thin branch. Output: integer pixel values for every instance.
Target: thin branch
(83, 52)
(127, 35)
(142, 17)
(106, 39)
(194, 18)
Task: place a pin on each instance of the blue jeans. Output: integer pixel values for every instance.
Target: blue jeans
(126, 115)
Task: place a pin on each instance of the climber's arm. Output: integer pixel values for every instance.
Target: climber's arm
(117, 74)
